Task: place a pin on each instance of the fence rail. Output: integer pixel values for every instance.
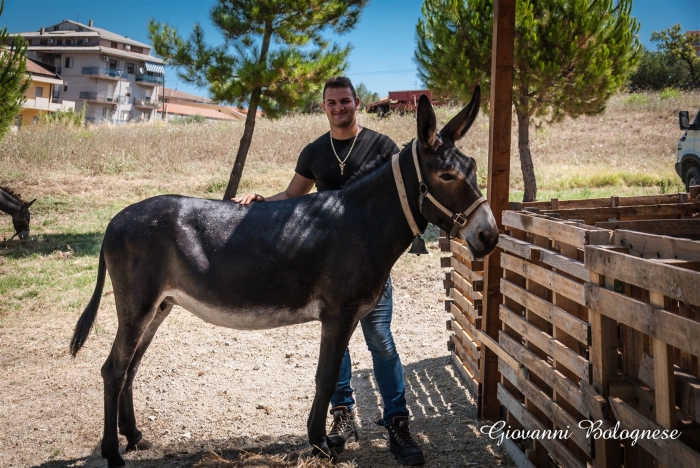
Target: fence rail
(596, 324)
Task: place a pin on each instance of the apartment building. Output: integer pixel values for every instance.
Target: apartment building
(696, 42)
(114, 76)
(40, 94)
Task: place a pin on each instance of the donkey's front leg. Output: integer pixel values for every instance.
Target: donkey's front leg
(335, 335)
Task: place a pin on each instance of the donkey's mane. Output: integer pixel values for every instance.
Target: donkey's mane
(369, 167)
(11, 193)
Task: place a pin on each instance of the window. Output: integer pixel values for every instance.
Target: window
(65, 88)
(39, 92)
(130, 68)
(126, 115)
(86, 40)
(68, 63)
(107, 113)
(114, 45)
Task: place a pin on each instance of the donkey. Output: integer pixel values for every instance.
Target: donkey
(12, 204)
(324, 256)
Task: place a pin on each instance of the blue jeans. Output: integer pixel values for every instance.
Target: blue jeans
(388, 370)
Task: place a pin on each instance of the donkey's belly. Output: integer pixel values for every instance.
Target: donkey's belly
(245, 318)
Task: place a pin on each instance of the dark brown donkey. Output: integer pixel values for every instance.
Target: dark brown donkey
(12, 204)
(324, 256)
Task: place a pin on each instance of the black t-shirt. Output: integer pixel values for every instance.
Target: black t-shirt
(317, 161)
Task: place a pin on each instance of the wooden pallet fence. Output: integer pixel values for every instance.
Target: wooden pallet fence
(648, 287)
(603, 210)
(464, 282)
(545, 336)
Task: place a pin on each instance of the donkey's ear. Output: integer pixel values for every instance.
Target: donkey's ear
(427, 122)
(30, 203)
(460, 123)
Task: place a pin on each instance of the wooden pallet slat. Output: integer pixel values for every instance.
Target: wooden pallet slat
(547, 278)
(553, 347)
(549, 407)
(678, 283)
(658, 246)
(545, 309)
(657, 323)
(555, 448)
(543, 370)
(565, 233)
(670, 452)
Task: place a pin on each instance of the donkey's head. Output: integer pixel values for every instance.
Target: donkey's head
(21, 219)
(450, 177)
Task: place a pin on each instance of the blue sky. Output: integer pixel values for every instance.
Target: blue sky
(384, 39)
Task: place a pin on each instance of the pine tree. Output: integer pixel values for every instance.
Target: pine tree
(570, 57)
(679, 45)
(14, 80)
(273, 58)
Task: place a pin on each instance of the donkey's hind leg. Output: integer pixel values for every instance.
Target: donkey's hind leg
(133, 323)
(127, 418)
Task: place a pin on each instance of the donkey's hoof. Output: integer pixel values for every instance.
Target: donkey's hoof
(142, 444)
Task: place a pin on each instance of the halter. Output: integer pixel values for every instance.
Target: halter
(459, 219)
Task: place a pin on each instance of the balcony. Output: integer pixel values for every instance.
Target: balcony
(102, 98)
(146, 103)
(105, 73)
(149, 80)
(48, 105)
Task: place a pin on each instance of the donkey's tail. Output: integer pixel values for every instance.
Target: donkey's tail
(82, 328)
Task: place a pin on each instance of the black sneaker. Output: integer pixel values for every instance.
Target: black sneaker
(343, 429)
(401, 445)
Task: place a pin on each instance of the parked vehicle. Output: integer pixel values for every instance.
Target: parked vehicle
(688, 154)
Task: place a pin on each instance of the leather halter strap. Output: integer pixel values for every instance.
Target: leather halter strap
(402, 195)
(459, 219)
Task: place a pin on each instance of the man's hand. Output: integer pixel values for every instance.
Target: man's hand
(248, 199)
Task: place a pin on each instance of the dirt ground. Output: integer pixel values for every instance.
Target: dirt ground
(202, 388)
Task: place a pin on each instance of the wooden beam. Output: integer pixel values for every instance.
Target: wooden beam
(678, 283)
(656, 246)
(498, 188)
(689, 228)
(669, 452)
(548, 311)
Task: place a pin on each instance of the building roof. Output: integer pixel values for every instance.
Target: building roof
(87, 31)
(213, 112)
(99, 49)
(175, 94)
(36, 68)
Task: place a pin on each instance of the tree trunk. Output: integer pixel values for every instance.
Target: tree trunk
(243, 147)
(247, 137)
(526, 157)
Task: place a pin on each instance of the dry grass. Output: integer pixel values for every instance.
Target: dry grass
(253, 460)
(629, 149)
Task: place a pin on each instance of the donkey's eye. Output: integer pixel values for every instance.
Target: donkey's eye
(446, 176)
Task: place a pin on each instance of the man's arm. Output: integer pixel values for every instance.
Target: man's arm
(298, 186)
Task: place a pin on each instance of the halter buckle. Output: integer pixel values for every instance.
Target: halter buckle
(460, 219)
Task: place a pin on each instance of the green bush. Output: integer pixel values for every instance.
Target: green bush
(65, 117)
(669, 93)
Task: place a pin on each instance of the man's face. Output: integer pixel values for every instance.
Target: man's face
(340, 106)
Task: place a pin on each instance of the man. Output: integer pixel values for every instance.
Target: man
(329, 162)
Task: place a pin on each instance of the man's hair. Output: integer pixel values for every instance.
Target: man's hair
(337, 82)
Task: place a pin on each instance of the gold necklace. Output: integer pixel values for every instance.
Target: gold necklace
(342, 163)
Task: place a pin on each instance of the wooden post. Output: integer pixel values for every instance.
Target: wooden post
(498, 187)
